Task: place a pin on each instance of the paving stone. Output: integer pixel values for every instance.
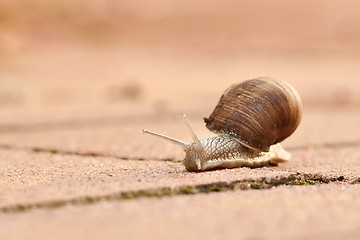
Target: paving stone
(37, 177)
(337, 161)
(287, 212)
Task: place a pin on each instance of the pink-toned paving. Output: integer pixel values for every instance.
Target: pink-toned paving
(74, 163)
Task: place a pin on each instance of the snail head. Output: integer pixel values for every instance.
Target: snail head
(192, 149)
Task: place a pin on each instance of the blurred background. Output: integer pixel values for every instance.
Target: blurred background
(86, 58)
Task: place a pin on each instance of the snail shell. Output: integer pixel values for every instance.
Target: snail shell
(259, 112)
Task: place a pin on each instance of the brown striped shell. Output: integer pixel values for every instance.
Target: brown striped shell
(259, 112)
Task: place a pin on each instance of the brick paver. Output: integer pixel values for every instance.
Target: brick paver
(30, 178)
(288, 212)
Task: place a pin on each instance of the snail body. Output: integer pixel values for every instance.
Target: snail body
(251, 119)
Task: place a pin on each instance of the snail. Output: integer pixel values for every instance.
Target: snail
(250, 120)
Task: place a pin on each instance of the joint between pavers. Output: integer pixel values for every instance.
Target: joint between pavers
(295, 179)
(97, 154)
(81, 154)
(90, 122)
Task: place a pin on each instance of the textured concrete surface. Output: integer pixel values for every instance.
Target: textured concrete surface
(84, 170)
(75, 165)
(83, 160)
(31, 178)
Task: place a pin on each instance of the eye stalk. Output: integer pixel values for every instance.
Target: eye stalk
(198, 147)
